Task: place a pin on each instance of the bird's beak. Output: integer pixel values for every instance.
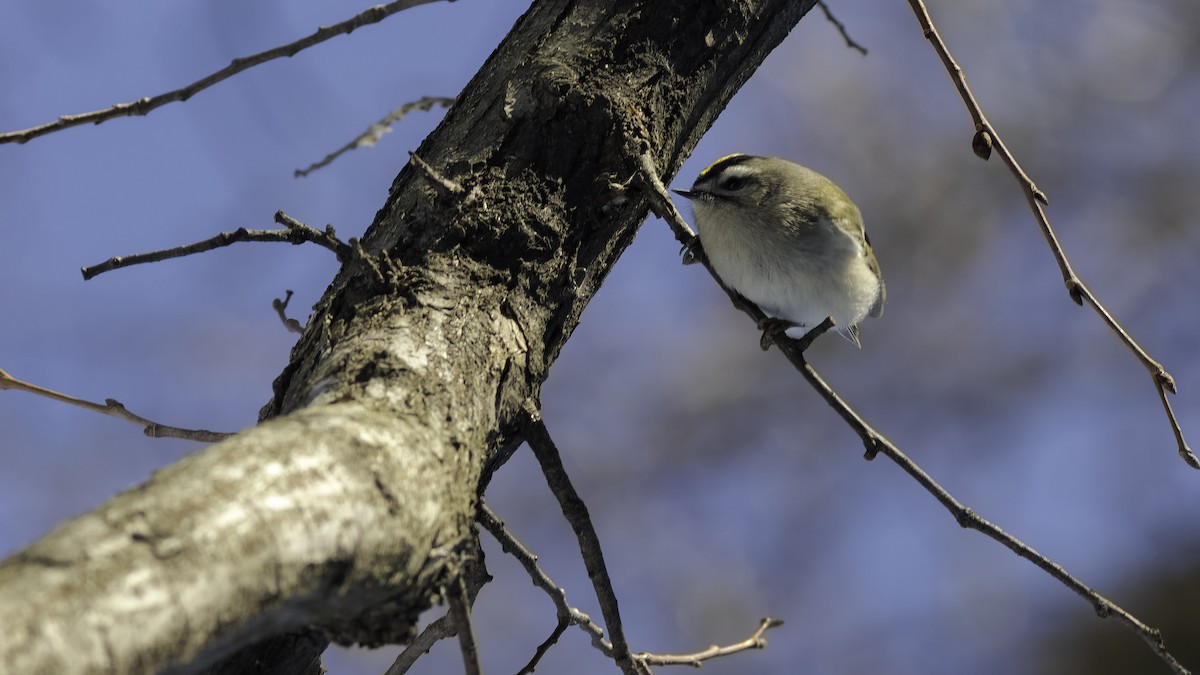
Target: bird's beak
(688, 194)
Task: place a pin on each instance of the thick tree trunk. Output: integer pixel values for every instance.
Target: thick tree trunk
(337, 517)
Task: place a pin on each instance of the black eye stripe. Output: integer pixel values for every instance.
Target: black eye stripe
(733, 183)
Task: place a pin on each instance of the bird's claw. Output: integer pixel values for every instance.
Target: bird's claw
(692, 251)
(772, 327)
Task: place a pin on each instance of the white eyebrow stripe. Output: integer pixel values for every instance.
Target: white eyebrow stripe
(737, 170)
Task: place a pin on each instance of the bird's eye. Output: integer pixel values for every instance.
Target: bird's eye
(733, 183)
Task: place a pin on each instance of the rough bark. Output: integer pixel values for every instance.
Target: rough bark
(338, 517)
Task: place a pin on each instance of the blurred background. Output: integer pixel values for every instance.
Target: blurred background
(723, 488)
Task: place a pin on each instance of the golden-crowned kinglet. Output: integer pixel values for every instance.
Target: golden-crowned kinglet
(789, 240)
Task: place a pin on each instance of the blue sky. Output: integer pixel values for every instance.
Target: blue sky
(722, 486)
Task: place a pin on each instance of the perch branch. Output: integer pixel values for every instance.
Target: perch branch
(984, 141)
(294, 232)
(114, 408)
(143, 106)
(876, 443)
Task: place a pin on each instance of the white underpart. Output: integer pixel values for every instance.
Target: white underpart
(785, 281)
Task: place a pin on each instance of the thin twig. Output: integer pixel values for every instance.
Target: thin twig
(466, 576)
(539, 440)
(376, 131)
(114, 408)
(567, 614)
(460, 611)
(559, 629)
(294, 232)
(440, 629)
(143, 106)
(984, 141)
(876, 443)
(697, 659)
(841, 27)
(280, 307)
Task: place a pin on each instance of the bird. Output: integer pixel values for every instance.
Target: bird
(789, 240)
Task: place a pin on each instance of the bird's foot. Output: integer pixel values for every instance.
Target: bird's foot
(772, 327)
(692, 251)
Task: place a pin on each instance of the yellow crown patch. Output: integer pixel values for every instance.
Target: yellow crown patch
(720, 162)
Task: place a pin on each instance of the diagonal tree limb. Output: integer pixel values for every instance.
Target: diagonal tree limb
(143, 106)
(984, 141)
(876, 443)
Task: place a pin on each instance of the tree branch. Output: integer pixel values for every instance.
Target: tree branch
(439, 629)
(376, 131)
(568, 615)
(294, 232)
(143, 106)
(113, 408)
(876, 443)
(697, 659)
(576, 513)
(460, 612)
(841, 28)
(984, 141)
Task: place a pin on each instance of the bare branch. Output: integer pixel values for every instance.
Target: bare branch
(460, 611)
(841, 27)
(294, 232)
(376, 131)
(538, 438)
(982, 143)
(142, 106)
(755, 641)
(439, 629)
(114, 408)
(876, 443)
(567, 615)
